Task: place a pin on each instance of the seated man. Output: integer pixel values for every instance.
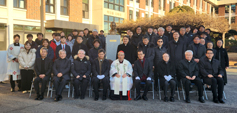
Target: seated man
(61, 69)
(81, 70)
(120, 78)
(100, 73)
(166, 72)
(212, 74)
(143, 73)
(43, 67)
(188, 71)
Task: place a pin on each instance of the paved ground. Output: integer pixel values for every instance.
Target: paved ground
(20, 103)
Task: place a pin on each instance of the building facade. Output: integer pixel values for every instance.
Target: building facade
(23, 16)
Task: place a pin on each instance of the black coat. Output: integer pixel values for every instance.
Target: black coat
(200, 52)
(165, 40)
(81, 67)
(169, 35)
(139, 71)
(184, 38)
(147, 50)
(85, 39)
(136, 39)
(159, 55)
(186, 68)
(206, 67)
(190, 37)
(105, 68)
(93, 53)
(77, 47)
(67, 49)
(166, 69)
(102, 37)
(151, 37)
(62, 66)
(91, 40)
(176, 51)
(48, 63)
(129, 50)
(38, 42)
(222, 56)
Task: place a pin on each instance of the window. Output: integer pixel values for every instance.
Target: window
(164, 5)
(19, 4)
(171, 5)
(117, 5)
(147, 2)
(138, 1)
(137, 14)
(3, 2)
(64, 7)
(200, 4)
(233, 19)
(85, 9)
(108, 20)
(49, 6)
(159, 4)
(130, 14)
(152, 4)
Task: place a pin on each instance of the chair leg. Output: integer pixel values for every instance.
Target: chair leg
(178, 92)
(182, 89)
(48, 88)
(72, 91)
(51, 91)
(205, 93)
(153, 90)
(69, 89)
(31, 89)
(159, 89)
(224, 95)
(134, 92)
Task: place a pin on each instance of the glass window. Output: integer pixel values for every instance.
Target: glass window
(85, 9)
(147, 2)
(105, 18)
(137, 15)
(19, 4)
(114, 4)
(32, 28)
(233, 19)
(121, 20)
(108, 20)
(64, 7)
(164, 5)
(159, 4)
(3, 2)
(2, 26)
(116, 19)
(111, 19)
(49, 6)
(138, 1)
(17, 27)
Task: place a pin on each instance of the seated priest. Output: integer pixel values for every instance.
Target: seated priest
(212, 74)
(120, 78)
(143, 73)
(188, 71)
(81, 70)
(100, 74)
(61, 69)
(43, 67)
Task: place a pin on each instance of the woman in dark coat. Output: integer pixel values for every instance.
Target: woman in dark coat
(78, 44)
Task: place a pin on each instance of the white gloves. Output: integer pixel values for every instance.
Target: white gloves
(100, 76)
(137, 78)
(168, 77)
(148, 78)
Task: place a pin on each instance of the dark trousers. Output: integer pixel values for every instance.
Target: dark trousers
(96, 82)
(83, 86)
(26, 79)
(59, 84)
(214, 81)
(165, 84)
(13, 83)
(138, 87)
(156, 77)
(43, 82)
(197, 82)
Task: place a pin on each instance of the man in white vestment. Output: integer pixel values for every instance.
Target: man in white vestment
(121, 78)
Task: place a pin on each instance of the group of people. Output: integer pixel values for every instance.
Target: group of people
(171, 57)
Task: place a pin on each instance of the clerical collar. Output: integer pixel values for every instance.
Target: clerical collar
(101, 60)
(16, 44)
(42, 58)
(145, 45)
(160, 36)
(151, 34)
(159, 47)
(189, 61)
(138, 34)
(176, 41)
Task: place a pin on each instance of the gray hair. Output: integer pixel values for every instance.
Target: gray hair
(81, 50)
(161, 28)
(182, 28)
(188, 51)
(62, 50)
(43, 48)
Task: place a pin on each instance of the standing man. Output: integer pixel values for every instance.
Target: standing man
(150, 34)
(39, 39)
(161, 35)
(147, 48)
(64, 47)
(100, 73)
(86, 36)
(137, 37)
(169, 33)
(54, 43)
(102, 37)
(13, 64)
(143, 73)
(189, 34)
(120, 78)
(29, 39)
(183, 37)
(212, 74)
(93, 37)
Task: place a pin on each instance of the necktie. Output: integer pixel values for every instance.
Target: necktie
(63, 47)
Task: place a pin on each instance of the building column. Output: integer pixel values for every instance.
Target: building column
(235, 13)
(90, 11)
(214, 11)
(9, 22)
(221, 11)
(230, 14)
(149, 8)
(134, 10)
(57, 9)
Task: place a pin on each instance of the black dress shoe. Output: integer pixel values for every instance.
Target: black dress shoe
(56, 99)
(201, 100)
(41, 97)
(96, 98)
(145, 98)
(19, 89)
(60, 97)
(221, 101)
(76, 97)
(138, 97)
(215, 100)
(188, 100)
(172, 99)
(38, 97)
(12, 90)
(104, 98)
(82, 97)
(166, 99)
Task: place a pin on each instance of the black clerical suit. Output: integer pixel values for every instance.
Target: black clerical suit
(100, 67)
(164, 38)
(190, 68)
(199, 50)
(42, 66)
(212, 67)
(61, 66)
(81, 67)
(148, 50)
(143, 70)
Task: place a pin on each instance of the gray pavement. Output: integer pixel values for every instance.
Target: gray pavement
(17, 102)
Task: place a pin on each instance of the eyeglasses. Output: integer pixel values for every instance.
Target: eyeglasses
(159, 41)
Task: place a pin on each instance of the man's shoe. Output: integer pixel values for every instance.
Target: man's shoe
(41, 97)
(215, 100)
(188, 100)
(138, 97)
(201, 100)
(221, 101)
(38, 97)
(76, 97)
(12, 90)
(172, 99)
(96, 98)
(56, 99)
(104, 98)
(60, 97)
(166, 99)
(145, 98)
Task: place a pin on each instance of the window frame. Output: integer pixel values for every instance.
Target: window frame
(63, 6)
(114, 4)
(18, 5)
(49, 6)
(5, 1)
(86, 10)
